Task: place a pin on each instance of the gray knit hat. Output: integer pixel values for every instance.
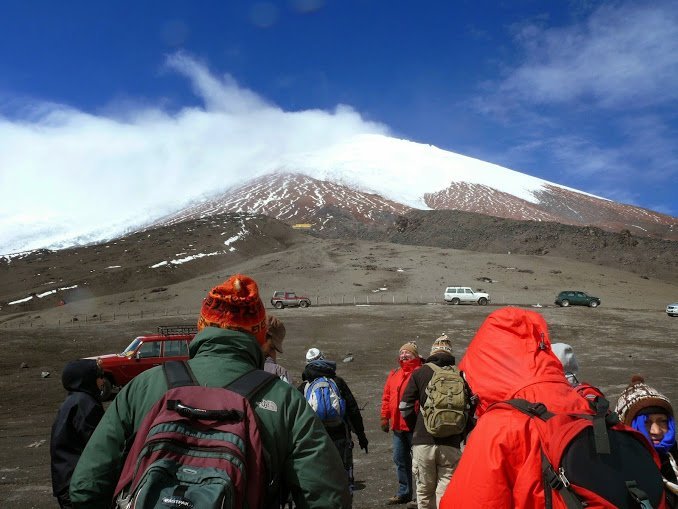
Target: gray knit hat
(565, 355)
(639, 396)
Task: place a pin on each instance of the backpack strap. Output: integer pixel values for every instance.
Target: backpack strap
(434, 367)
(178, 374)
(248, 384)
(530, 409)
(557, 481)
(638, 495)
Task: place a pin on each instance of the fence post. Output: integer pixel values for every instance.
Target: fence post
(394, 299)
(368, 299)
(342, 299)
(316, 300)
(354, 300)
(407, 299)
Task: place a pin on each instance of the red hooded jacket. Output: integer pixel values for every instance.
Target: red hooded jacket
(501, 464)
(393, 391)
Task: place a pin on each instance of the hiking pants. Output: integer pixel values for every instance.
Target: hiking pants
(402, 457)
(432, 468)
(345, 448)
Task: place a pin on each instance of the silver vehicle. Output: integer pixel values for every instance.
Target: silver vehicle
(459, 294)
(282, 299)
(672, 309)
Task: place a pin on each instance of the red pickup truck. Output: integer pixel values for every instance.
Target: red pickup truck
(144, 352)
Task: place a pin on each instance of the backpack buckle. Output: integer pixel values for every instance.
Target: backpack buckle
(537, 409)
(563, 478)
(556, 480)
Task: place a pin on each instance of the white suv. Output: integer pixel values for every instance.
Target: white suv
(459, 294)
(672, 309)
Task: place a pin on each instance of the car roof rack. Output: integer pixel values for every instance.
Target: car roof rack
(169, 330)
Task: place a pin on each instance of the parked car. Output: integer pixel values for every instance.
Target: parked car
(458, 294)
(282, 299)
(672, 309)
(144, 352)
(576, 298)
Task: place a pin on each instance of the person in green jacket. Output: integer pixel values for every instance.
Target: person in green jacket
(232, 327)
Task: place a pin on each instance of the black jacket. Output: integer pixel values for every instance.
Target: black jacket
(353, 417)
(670, 475)
(415, 391)
(78, 415)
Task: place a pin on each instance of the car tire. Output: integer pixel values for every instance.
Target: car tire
(278, 305)
(106, 389)
(455, 301)
(482, 301)
(304, 304)
(564, 303)
(593, 304)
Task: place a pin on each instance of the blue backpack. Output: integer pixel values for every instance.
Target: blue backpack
(325, 399)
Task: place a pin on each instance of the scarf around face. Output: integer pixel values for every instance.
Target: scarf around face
(669, 440)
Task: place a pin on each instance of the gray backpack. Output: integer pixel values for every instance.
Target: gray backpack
(447, 405)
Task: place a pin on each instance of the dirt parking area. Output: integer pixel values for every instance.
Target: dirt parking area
(610, 344)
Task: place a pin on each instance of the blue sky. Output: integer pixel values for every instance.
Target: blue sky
(581, 93)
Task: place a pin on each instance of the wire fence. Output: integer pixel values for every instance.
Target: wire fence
(80, 319)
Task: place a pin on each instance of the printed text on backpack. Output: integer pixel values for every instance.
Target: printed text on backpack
(198, 447)
(447, 406)
(325, 398)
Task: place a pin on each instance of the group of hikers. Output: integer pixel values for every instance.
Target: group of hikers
(510, 426)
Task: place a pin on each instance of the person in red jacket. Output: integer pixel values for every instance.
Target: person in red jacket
(509, 357)
(409, 360)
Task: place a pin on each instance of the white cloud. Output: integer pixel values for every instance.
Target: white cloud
(622, 56)
(76, 172)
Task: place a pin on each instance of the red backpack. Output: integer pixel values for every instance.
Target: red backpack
(592, 460)
(198, 447)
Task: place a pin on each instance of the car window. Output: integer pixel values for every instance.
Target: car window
(291, 295)
(468, 290)
(176, 348)
(150, 349)
(278, 294)
(132, 346)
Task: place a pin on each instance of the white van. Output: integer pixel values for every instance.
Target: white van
(458, 294)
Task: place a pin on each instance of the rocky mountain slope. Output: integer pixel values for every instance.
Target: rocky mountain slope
(369, 258)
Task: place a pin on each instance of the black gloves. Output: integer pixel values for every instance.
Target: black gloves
(363, 442)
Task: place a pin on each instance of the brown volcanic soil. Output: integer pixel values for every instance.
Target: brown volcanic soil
(611, 344)
(629, 333)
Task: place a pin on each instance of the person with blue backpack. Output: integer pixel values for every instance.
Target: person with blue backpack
(215, 431)
(336, 407)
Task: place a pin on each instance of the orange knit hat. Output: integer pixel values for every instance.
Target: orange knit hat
(235, 304)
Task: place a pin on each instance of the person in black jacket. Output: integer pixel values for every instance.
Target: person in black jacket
(78, 415)
(433, 459)
(340, 433)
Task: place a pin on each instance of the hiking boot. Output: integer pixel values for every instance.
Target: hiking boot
(398, 500)
(411, 505)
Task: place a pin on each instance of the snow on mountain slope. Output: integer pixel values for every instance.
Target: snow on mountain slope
(404, 171)
(292, 198)
(370, 178)
(374, 175)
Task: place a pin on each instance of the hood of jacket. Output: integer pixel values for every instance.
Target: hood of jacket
(441, 359)
(319, 368)
(510, 352)
(226, 343)
(81, 376)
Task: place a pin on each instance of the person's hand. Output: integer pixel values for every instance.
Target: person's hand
(384, 425)
(363, 442)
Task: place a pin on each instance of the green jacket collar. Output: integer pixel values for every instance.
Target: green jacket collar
(227, 343)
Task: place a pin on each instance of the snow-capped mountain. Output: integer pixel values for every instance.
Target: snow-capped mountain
(369, 179)
(372, 177)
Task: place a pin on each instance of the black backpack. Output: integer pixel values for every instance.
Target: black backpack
(592, 460)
